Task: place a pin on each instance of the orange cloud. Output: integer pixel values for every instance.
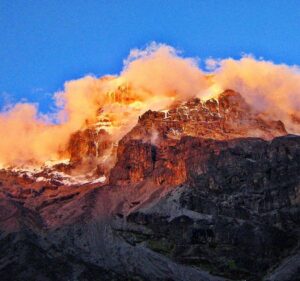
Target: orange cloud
(152, 78)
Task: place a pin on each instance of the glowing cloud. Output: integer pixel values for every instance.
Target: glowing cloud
(152, 78)
(272, 89)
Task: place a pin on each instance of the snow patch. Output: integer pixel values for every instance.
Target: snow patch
(48, 174)
(51, 163)
(166, 112)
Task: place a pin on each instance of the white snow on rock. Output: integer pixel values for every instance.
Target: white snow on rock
(51, 163)
(47, 173)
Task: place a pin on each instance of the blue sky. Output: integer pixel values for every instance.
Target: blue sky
(44, 43)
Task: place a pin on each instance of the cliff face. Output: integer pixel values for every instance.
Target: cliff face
(88, 143)
(226, 117)
(237, 212)
(157, 146)
(204, 191)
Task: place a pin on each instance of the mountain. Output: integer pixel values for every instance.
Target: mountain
(204, 190)
(224, 118)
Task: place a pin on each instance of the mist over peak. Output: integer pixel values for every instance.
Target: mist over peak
(152, 78)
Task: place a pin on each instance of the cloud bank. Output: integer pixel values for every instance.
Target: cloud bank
(152, 78)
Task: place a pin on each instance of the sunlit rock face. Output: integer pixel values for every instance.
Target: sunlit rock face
(226, 117)
(236, 213)
(205, 190)
(158, 146)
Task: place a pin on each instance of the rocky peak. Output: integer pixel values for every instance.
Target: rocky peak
(227, 117)
(166, 135)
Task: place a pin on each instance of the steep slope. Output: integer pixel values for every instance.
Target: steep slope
(237, 212)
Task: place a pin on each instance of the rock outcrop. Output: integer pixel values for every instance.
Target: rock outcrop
(226, 117)
(237, 212)
(157, 146)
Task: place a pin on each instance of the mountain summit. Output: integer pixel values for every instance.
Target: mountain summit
(226, 117)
